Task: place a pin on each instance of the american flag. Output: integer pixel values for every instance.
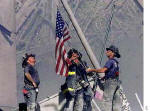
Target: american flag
(62, 35)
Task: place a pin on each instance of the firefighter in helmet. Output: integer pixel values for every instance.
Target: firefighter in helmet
(77, 89)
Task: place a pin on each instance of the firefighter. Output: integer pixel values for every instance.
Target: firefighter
(31, 80)
(76, 88)
(111, 70)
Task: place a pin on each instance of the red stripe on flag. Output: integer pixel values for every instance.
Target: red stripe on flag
(60, 49)
(67, 72)
(65, 29)
(65, 34)
(67, 38)
(62, 68)
(56, 47)
(58, 61)
(59, 57)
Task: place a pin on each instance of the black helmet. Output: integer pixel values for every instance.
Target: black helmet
(115, 50)
(25, 58)
(71, 51)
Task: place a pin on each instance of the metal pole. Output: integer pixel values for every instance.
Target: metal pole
(81, 35)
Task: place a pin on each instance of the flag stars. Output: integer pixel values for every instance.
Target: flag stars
(59, 25)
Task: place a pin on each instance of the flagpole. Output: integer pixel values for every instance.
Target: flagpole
(85, 43)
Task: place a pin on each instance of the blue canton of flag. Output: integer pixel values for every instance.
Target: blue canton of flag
(59, 25)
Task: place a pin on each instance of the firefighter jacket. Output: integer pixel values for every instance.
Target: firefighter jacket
(76, 80)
